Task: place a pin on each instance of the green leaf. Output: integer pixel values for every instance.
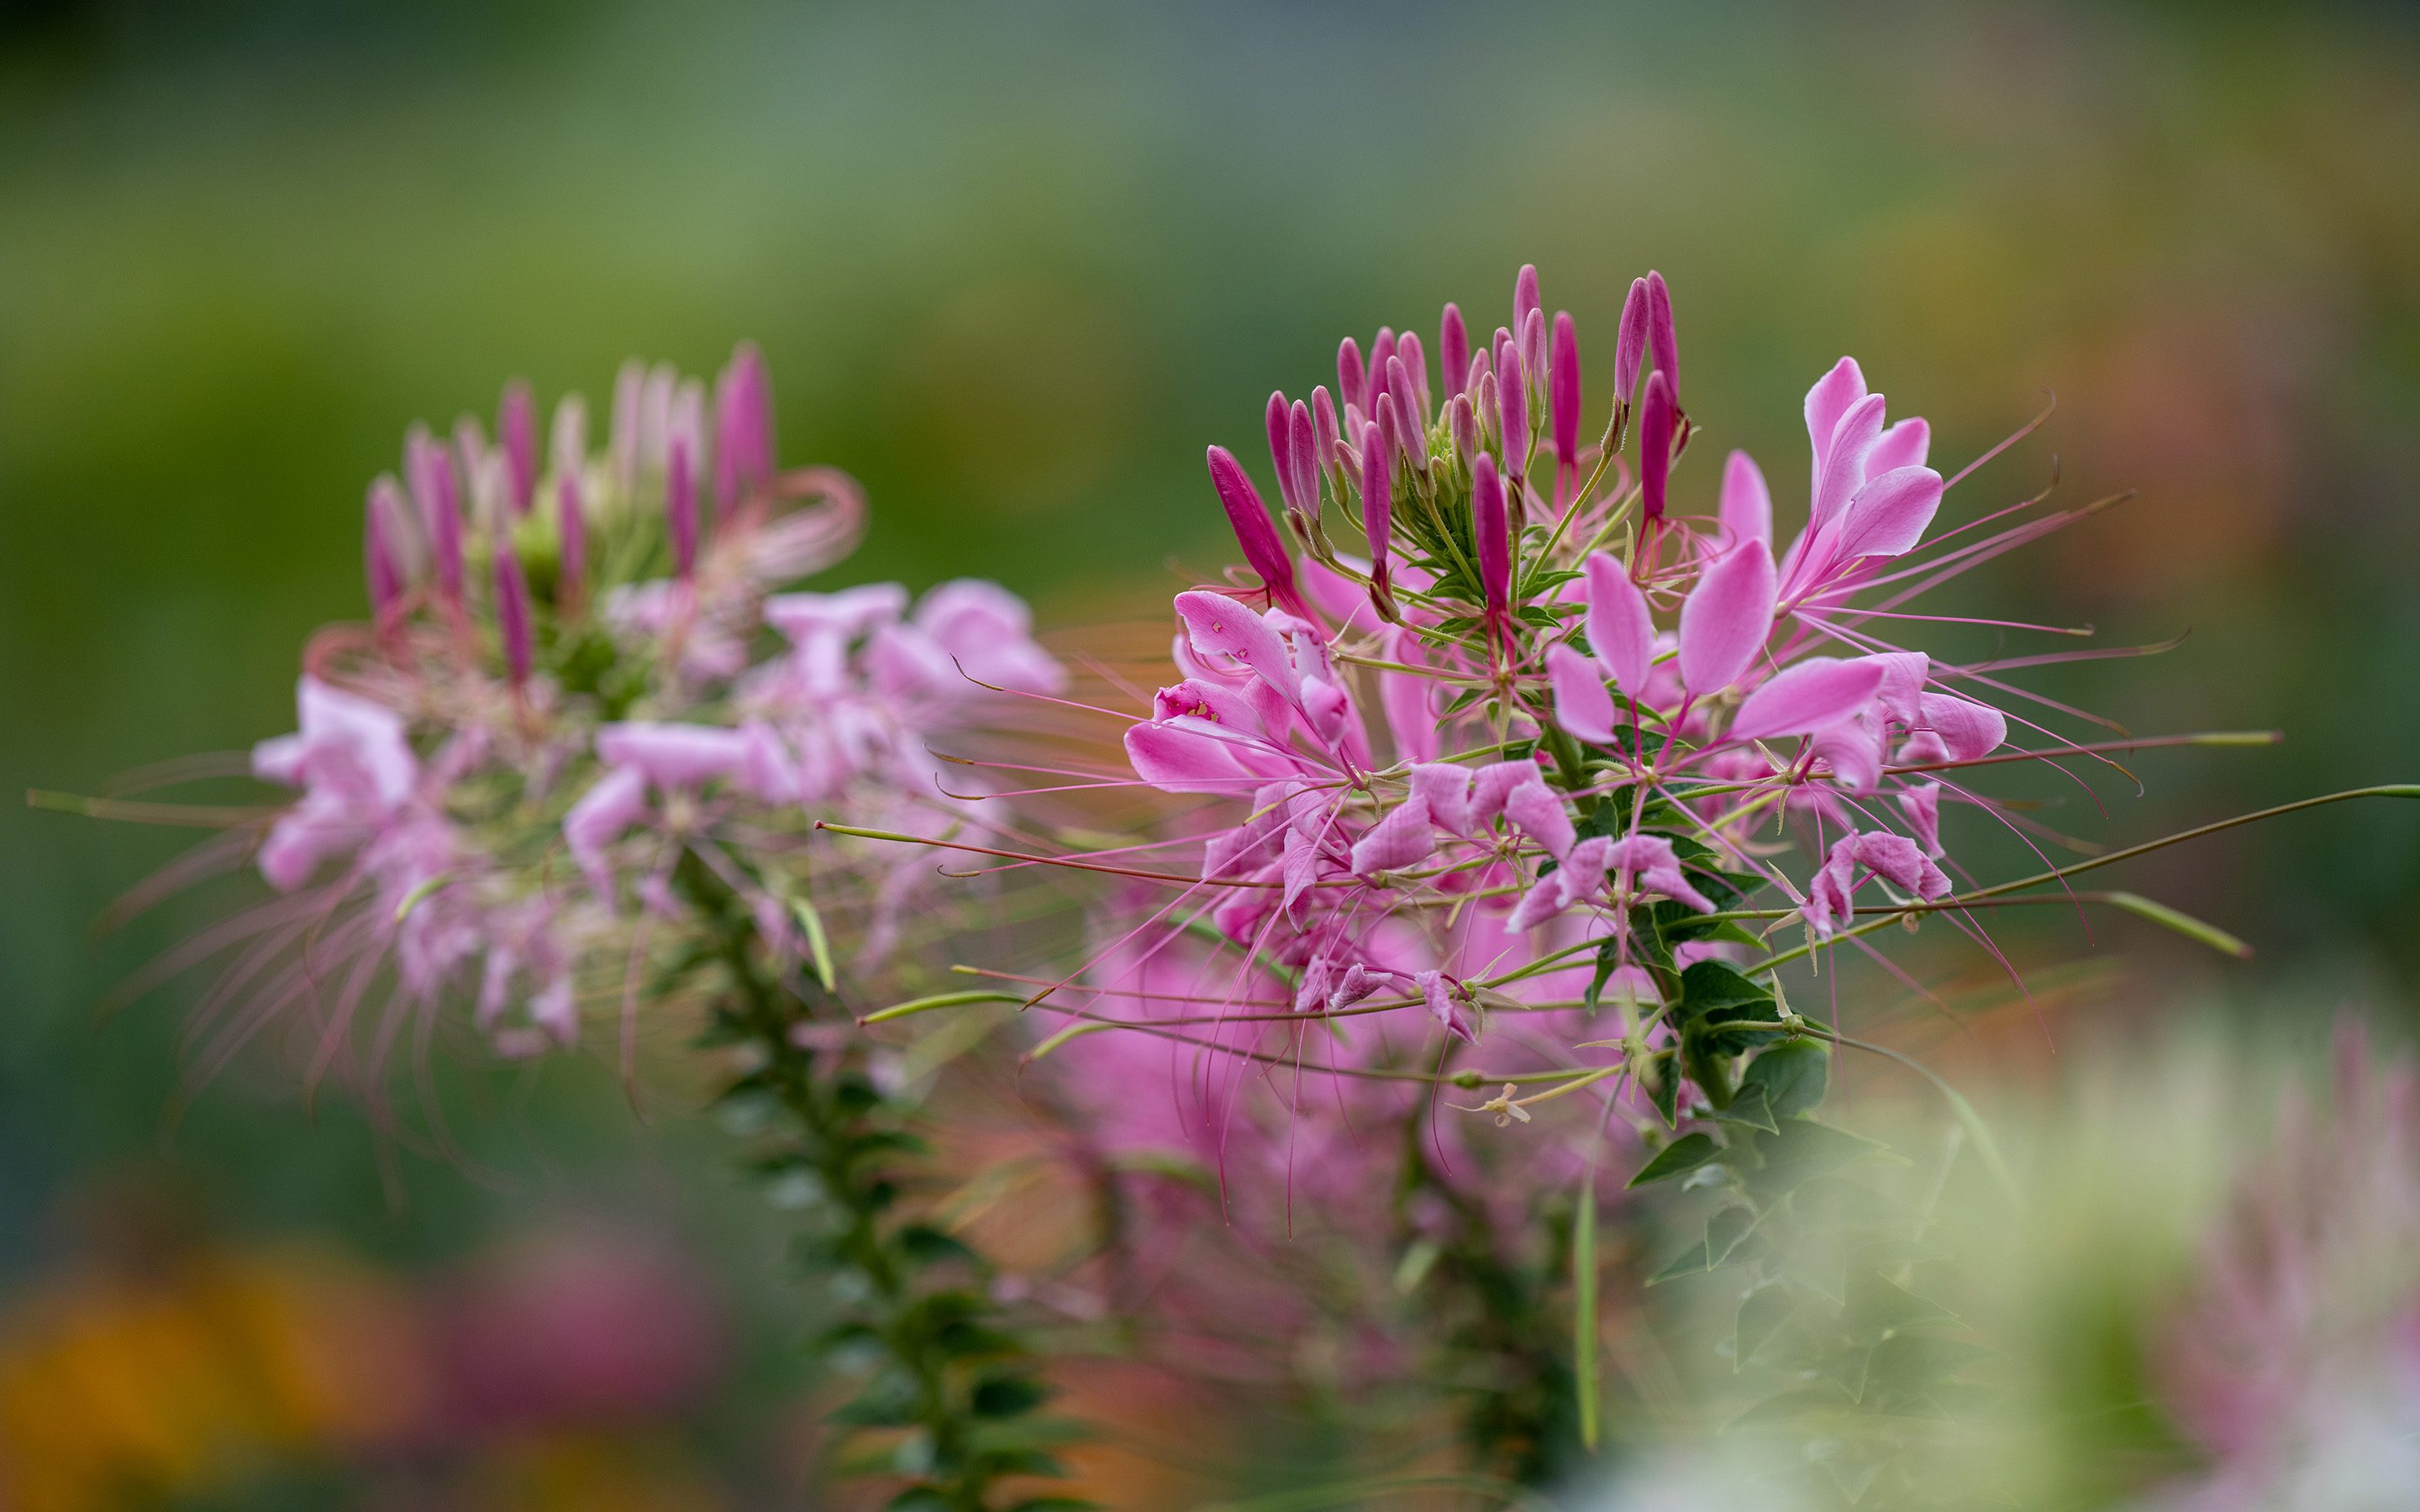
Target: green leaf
(1681, 1155)
(1007, 1396)
(918, 1499)
(1793, 1075)
(924, 1245)
(1726, 1232)
(1793, 1407)
(1761, 1314)
(1055, 1504)
(1691, 1261)
(1748, 1107)
(1878, 1305)
(1710, 986)
(1664, 1087)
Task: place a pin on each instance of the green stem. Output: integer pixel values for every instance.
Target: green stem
(941, 1348)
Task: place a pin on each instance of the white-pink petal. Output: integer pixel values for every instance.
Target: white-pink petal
(1725, 618)
(1620, 629)
(1582, 706)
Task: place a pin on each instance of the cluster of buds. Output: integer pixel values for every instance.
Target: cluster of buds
(578, 679)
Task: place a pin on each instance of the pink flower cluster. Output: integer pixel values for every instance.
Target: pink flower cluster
(1545, 711)
(554, 708)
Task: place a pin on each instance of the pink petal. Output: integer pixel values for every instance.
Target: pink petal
(1827, 401)
(1903, 690)
(1582, 706)
(1443, 1006)
(1844, 461)
(1620, 629)
(1889, 514)
(1630, 342)
(1967, 729)
(1564, 391)
(1897, 861)
(1804, 698)
(673, 755)
(1747, 505)
(1405, 838)
(1854, 748)
(1540, 811)
(1656, 424)
(1905, 445)
(1490, 524)
(1446, 791)
(1220, 627)
(1725, 618)
(1921, 803)
(617, 802)
(1185, 756)
(1490, 784)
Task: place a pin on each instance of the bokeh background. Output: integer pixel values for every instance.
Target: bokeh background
(1013, 265)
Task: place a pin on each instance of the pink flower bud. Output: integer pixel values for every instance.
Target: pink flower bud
(1303, 441)
(1512, 400)
(1275, 418)
(1660, 339)
(430, 468)
(1563, 396)
(1326, 430)
(1262, 551)
(571, 526)
(629, 401)
(1352, 373)
(517, 430)
(1489, 523)
(1413, 357)
(1409, 434)
(1381, 350)
(382, 514)
(1476, 369)
(1533, 352)
(1525, 298)
(1463, 419)
(1453, 352)
(1655, 425)
(1630, 344)
(680, 505)
(513, 608)
(1377, 498)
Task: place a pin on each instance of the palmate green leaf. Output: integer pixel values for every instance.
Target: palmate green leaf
(1906, 1366)
(1802, 1151)
(1679, 1158)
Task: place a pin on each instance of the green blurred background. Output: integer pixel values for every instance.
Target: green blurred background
(1014, 265)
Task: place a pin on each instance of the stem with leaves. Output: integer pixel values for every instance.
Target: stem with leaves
(941, 1366)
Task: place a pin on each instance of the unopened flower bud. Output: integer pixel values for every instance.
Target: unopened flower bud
(1473, 371)
(571, 528)
(1262, 551)
(1303, 442)
(1525, 298)
(1661, 341)
(1655, 421)
(1630, 343)
(567, 439)
(1415, 359)
(1352, 373)
(680, 505)
(1489, 523)
(1533, 353)
(430, 470)
(1564, 397)
(1512, 402)
(1326, 430)
(1277, 418)
(512, 608)
(1409, 434)
(1382, 350)
(517, 432)
(1453, 352)
(382, 514)
(629, 398)
(1378, 512)
(1463, 419)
